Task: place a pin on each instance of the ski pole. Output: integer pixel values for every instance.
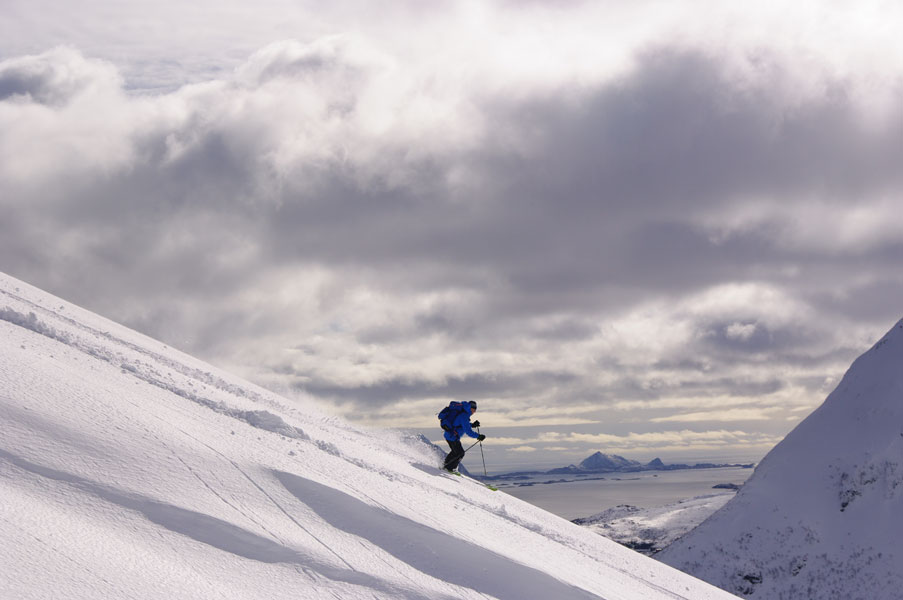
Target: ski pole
(485, 474)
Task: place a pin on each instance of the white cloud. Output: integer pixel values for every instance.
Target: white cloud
(741, 331)
(62, 117)
(55, 78)
(727, 415)
(823, 224)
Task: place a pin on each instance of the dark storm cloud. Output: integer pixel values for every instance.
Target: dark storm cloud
(679, 137)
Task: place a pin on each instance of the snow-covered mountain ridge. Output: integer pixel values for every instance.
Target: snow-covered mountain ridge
(821, 516)
(130, 470)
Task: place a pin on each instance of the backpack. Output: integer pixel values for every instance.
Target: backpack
(448, 415)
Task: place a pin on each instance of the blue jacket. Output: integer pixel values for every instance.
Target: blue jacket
(461, 425)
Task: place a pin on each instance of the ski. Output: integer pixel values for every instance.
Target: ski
(457, 474)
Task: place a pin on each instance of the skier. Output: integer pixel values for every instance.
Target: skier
(454, 428)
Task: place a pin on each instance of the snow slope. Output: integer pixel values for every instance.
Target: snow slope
(129, 470)
(822, 516)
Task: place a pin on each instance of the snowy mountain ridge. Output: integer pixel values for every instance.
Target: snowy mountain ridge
(821, 515)
(131, 470)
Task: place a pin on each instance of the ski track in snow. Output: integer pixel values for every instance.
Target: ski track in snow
(131, 470)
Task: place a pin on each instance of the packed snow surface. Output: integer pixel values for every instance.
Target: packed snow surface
(822, 516)
(129, 470)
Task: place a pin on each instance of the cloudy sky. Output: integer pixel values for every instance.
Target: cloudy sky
(647, 228)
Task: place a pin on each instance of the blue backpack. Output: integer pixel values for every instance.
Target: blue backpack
(448, 415)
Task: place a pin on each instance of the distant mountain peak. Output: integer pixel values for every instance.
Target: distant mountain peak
(606, 462)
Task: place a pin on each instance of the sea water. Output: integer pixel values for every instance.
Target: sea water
(582, 498)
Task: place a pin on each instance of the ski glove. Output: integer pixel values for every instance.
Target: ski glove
(481, 437)
(475, 424)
